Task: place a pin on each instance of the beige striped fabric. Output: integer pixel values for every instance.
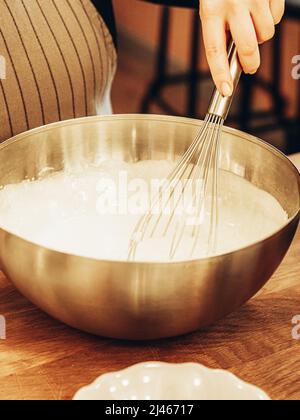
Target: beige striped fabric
(60, 62)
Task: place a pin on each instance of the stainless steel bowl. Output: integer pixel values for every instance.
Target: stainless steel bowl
(143, 300)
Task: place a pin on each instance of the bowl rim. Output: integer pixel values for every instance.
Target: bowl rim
(159, 365)
(158, 118)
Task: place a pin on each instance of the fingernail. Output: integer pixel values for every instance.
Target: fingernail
(226, 89)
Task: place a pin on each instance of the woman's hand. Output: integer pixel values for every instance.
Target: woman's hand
(251, 22)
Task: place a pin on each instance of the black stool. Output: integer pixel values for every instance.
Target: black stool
(162, 78)
(246, 118)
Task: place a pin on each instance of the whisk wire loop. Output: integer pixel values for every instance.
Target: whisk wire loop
(198, 164)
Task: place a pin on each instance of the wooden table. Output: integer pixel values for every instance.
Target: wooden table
(43, 359)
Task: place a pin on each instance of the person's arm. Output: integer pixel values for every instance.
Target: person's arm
(251, 22)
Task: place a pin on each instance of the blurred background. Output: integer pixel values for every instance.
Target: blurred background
(162, 69)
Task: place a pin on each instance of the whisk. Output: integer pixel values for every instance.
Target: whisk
(198, 164)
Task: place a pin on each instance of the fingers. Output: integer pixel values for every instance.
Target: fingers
(277, 9)
(245, 38)
(263, 21)
(214, 35)
(251, 22)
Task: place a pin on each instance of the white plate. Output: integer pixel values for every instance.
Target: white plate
(163, 381)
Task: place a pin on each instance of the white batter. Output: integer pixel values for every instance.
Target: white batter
(65, 212)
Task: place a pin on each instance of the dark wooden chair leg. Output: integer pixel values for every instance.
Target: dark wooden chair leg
(279, 104)
(293, 132)
(161, 62)
(247, 92)
(193, 85)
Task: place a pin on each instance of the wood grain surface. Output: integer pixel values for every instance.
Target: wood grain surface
(43, 359)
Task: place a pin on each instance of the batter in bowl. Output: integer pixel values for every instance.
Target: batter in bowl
(93, 211)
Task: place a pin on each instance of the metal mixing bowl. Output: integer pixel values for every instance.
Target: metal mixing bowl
(143, 300)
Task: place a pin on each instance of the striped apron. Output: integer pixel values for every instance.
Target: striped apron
(59, 63)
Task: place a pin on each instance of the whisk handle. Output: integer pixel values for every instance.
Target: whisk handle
(219, 104)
